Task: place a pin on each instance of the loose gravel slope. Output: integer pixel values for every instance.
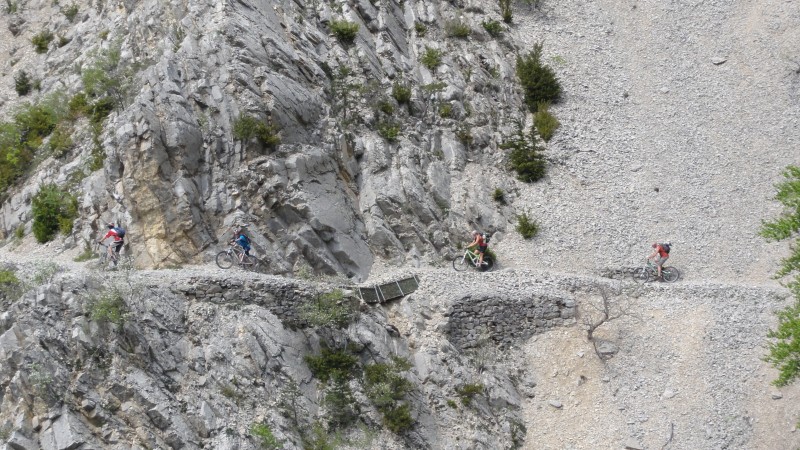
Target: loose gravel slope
(661, 139)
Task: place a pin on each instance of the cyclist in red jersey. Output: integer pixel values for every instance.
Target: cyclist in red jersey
(659, 256)
(115, 246)
(479, 244)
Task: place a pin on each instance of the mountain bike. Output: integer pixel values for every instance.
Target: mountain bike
(649, 272)
(470, 260)
(235, 255)
(109, 259)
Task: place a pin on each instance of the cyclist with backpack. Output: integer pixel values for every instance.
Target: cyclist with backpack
(241, 239)
(659, 256)
(118, 233)
(480, 242)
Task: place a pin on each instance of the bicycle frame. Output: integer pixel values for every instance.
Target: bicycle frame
(473, 257)
(470, 259)
(649, 272)
(238, 256)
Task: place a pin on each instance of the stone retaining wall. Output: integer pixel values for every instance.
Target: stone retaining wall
(281, 298)
(506, 320)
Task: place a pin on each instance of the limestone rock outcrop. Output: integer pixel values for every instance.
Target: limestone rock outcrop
(357, 175)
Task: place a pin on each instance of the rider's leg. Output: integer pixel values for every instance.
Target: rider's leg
(659, 263)
(115, 253)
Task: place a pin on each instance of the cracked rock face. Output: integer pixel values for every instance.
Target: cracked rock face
(196, 360)
(336, 192)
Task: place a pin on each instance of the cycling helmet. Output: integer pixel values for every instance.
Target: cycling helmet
(110, 225)
(475, 232)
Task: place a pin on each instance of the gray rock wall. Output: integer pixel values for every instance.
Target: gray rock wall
(335, 194)
(506, 320)
(198, 359)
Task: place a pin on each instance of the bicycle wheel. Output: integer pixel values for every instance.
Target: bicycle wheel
(251, 263)
(641, 275)
(225, 260)
(488, 264)
(461, 263)
(670, 274)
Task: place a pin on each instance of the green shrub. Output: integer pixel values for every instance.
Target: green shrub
(538, 81)
(12, 7)
(506, 11)
(263, 434)
(457, 29)
(386, 388)
(36, 122)
(464, 135)
(249, 127)
(52, 209)
(14, 154)
(446, 111)
(41, 41)
(101, 108)
(19, 233)
(70, 12)
(468, 391)
(526, 156)
(385, 106)
(344, 31)
(546, 124)
(22, 83)
(103, 35)
(421, 29)
(401, 92)
(329, 310)
(784, 348)
(10, 285)
(319, 439)
(108, 306)
(332, 363)
(499, 196)
(431, 58)
(398, 419)
(493, 27)
(340, 403)
(389, 131)
(526, 226)
(98, 155)
(78, 105)
(61, 141)
(62, 40)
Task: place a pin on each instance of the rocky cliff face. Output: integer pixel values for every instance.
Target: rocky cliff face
(335, 193)
(131, 363)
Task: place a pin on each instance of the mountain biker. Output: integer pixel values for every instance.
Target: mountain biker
(659, 256)
(241, 239)
(119, 240)
(479, 244)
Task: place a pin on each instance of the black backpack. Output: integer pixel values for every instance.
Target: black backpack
(120, 231)
(666, 247)
(486, 237)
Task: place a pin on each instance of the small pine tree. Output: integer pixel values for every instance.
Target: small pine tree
(526, 156)
(22, 83)
(538, 81)
(784, 350)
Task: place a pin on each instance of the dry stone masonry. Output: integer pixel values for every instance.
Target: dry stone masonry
(506, 320)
